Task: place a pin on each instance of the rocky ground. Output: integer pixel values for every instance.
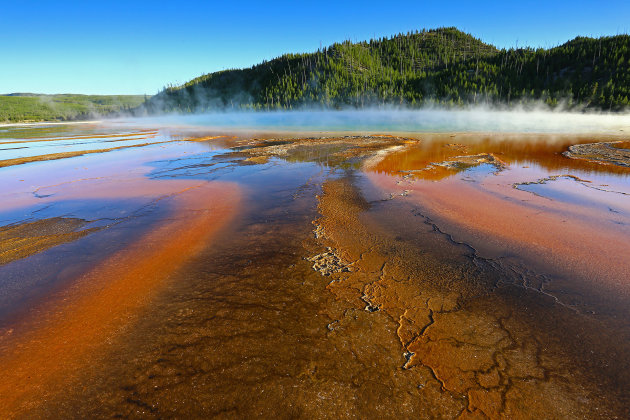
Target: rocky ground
(603, 152)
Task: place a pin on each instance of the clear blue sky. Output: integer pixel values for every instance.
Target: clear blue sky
(136, 47)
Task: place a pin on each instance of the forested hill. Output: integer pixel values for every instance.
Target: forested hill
(443, 66)
(25, 107)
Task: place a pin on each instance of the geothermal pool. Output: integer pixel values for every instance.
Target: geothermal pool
(316, 265)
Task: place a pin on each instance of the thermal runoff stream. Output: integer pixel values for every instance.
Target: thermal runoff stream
(427, 264)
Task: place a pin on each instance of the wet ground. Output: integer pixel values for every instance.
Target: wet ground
(196, 273)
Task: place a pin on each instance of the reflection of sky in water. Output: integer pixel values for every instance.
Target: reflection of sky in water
(536, 151)
(480, 170)
(103, 212)
(598, 195)
(208, 161)
(37, 140)
(215, 165)
(34, 148)
(39, 190)
(193, 165)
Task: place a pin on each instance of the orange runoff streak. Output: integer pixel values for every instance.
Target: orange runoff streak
(40, 363)
(89, 136)
(579, 240)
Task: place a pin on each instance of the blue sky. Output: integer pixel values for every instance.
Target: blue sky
(136, 47)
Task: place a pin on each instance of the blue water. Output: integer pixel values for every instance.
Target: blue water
(429, 120)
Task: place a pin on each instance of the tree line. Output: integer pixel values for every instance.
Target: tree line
(442, 66)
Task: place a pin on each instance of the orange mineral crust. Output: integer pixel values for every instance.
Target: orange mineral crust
(45, 353)
(266, 276)
(544, 150)
(579, 230)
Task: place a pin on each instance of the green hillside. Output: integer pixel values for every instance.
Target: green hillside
(19, 107)
(441, 66)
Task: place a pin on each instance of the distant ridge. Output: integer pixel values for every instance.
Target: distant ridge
(438, 66)
(20, 94)
(23, 107)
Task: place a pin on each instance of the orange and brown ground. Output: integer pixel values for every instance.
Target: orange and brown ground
(345, 276)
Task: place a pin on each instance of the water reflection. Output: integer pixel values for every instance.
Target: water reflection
(544, 151)
(456, 275)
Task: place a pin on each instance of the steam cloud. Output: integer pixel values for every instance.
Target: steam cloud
(478, 119)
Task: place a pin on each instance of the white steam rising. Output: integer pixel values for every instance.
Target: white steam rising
(475, 119)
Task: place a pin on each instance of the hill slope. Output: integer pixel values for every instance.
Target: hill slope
(443, 66)
(19, 107)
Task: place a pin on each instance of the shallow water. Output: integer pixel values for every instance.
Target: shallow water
(403, 121)
(430, 275)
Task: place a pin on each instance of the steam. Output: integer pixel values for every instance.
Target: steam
(389, 120)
